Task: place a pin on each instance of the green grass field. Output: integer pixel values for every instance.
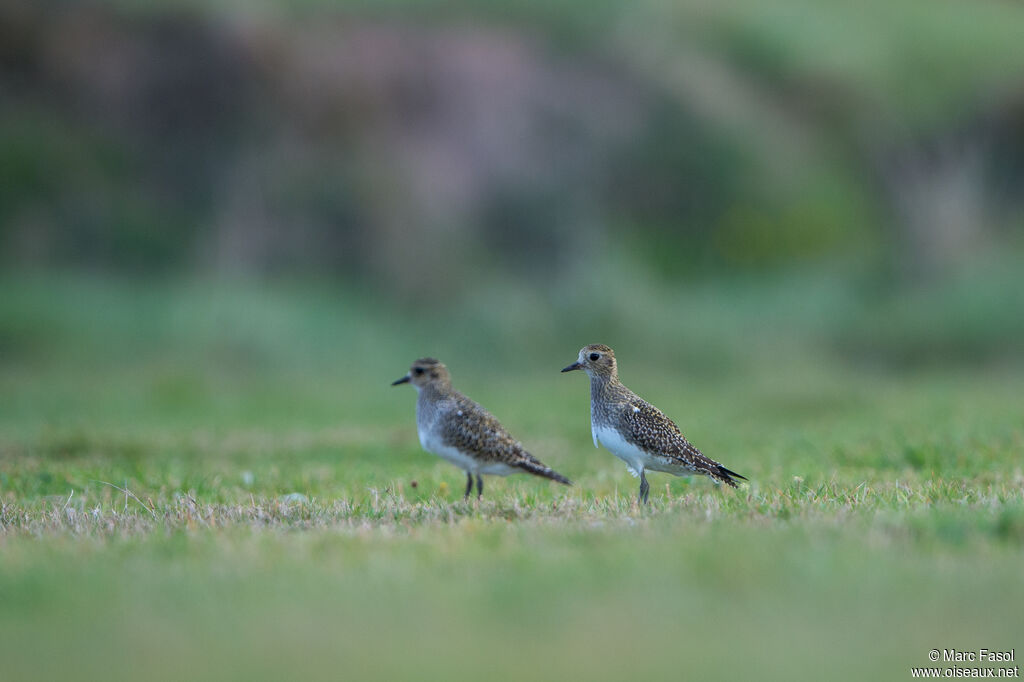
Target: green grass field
(215, 481)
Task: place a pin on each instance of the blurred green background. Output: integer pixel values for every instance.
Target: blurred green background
(225, 227)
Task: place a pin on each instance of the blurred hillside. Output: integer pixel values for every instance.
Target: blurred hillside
(421, 147)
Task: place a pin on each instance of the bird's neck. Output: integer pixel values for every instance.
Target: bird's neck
(436, 390)
(431, 397)
(602, 386)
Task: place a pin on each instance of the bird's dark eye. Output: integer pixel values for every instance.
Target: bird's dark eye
(594, 357)
(418, 371)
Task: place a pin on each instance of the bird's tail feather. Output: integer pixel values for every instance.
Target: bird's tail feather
(726, 476)
(534, 467)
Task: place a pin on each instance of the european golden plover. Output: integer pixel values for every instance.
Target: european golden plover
(635, 431)
(457, 429)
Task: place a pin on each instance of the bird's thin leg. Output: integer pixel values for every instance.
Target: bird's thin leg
(645, 488)
(479, 486)
(469, 484)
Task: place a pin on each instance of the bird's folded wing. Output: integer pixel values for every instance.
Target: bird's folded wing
(475, 430)
(648, 428)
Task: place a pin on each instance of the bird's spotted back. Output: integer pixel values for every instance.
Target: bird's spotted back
(647, 427)
(472, 429)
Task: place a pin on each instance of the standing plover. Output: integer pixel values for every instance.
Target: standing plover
(635, 431)
(457, 429)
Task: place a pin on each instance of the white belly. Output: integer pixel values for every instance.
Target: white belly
(636, 459)
(433, 444)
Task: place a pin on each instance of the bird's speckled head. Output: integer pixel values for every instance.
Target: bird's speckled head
(424, 372)
(597, 360)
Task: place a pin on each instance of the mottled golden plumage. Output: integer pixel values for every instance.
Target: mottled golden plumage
(636, 431)
(461, 431)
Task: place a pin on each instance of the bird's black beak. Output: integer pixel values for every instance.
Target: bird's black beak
(575, 365)
(403, 380)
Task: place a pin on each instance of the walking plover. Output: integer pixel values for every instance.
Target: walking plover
(457, 429)
(635, 431)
